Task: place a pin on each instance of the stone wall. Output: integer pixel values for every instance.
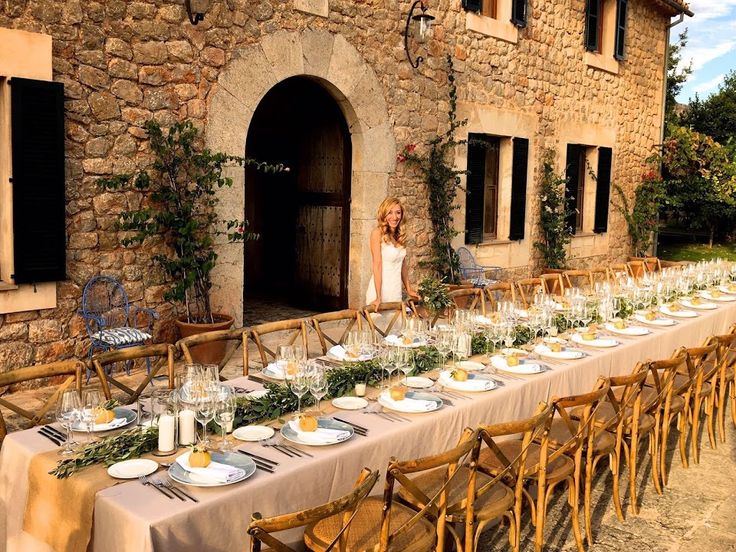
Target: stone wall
(124, 62)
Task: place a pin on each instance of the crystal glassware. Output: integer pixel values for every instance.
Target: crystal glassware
(67, 413)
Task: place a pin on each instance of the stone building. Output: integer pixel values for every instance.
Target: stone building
(326, 86)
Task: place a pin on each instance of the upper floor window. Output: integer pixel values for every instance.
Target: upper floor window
(498, 18)
(605, 27)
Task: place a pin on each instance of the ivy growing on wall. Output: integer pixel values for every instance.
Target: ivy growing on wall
(642, 218)
(554, 234)
(442, 180)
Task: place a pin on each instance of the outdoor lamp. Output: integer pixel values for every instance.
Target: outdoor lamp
(422, 29)
(196, 9)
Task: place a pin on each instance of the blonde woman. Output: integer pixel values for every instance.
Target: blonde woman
(388, 253)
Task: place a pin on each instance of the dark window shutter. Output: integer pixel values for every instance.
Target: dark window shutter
(473, 5)
(571, 187)
(518, 12)
(603, 190)
(518, 188)
(474, 190)
(592, 24)
(37, 130)
(620, 49)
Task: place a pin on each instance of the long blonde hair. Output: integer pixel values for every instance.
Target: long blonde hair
(398, 236)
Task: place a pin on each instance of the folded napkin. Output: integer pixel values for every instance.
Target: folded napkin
(340, 353)
(276, 369)
(408, 405)
(471, 384)
(392, 339)
(115, 423)
(214, 473)
(321, 436)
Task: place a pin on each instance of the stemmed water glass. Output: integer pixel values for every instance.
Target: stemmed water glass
(299, 386)
(392, 365)
(91, 401)
(67, 413)
(403, 363)
(318, 385)
(383, 357)
(204, 410)
(225, 414)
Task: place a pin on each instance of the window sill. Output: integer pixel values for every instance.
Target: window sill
(4, 286)
(599, 61)
(503, 30)
(497, 242)
(26, 297)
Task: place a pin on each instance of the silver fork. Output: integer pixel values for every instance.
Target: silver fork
(176, 490)
(143, 480)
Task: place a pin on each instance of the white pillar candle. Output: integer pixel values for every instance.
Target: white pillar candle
(360, 389)
(229, 426)
(186, 427)
(166, 426)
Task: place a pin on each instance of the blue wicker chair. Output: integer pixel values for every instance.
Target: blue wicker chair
(471, 271)
(111, 321)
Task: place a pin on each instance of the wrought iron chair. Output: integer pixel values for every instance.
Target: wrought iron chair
(111, 321)
(470, 270)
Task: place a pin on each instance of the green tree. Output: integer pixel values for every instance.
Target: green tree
(700, 181)
(676, 77)
(716, 115)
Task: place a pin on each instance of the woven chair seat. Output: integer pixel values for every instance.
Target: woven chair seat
(490, 505)
(364, 534)
(558, 469)
(649, 395)
(559, 434)
(606, 413)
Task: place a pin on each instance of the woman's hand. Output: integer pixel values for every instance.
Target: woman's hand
(376, 304)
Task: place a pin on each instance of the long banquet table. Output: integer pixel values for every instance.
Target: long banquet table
(130, 517)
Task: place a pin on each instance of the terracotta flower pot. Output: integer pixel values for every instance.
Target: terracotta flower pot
(207, 353)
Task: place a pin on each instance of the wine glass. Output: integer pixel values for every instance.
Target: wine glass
(91, 401)
(318, 385)
(204, 411)
(383, 357)
(403, 363)
(299, 386)
(67, 413)
(224, 416)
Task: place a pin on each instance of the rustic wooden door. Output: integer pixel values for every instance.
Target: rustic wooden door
(323, 211)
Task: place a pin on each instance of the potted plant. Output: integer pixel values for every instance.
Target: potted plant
(180, 197)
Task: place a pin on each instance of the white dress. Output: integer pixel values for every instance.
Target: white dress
(392, 258)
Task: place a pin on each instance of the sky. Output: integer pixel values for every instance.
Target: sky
(711, 46)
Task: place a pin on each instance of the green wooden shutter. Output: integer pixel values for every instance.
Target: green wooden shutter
(572, 173)
(473, 5)
(592, 23)
(518, 188)
(603, 190)
(37, 132)
(474, 189)
(519, 12)
(620, 48)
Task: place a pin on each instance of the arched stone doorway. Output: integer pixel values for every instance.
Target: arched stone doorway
(302, 216)
(351, 82)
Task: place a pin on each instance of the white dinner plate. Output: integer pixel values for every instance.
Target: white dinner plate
(346, 432)
(419, 382)
(525, 368)
(397, 341)
(242, 461)
(656, 322)
(349, 403)
(703, 305)
(727, 289)
(126, 415)
(384, 399)
(470, 365)
(476, 383)
(628, 330)
(664, 309)
(253, 433)
(564, 354)
(514, 351)
(132, 469)
(598, 342)
(723, 298)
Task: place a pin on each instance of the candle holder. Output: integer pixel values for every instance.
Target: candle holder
(165, 410)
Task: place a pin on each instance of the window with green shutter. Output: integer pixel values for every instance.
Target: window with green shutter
(519, 168)
(518, 12)
(619, 51)
(593, 24)
(603, 190)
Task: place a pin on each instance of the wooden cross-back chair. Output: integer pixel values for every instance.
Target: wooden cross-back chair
(231, 339)
(552, 283)
(500, 291)
(667, 405)
(726, 362)
(385, 318)
(616, 270)
(163, 353)
(652, 264)
(508, 460)
(290, 332)
(580, 279)
(341, 512)
(703, 366)
(527, 287)
(383, 524)
(472, 299)
(71, 368)
(572, 438)
(332, 328)
(618, 417)
(599, 275)
(637, 269)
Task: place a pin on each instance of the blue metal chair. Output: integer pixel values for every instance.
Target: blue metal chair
(111, 321)
(471, 271)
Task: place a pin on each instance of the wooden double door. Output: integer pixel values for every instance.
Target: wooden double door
(303, 216)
